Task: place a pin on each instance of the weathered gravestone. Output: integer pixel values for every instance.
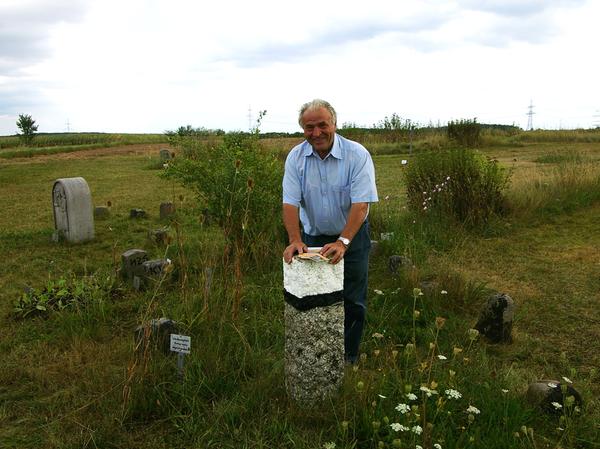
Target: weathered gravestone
(396, 261)
(153, 271)
(73, 210)
(553, 396)
(165, 155)
(137, 213)
(132, 268)
(314, 329)
(155, 335)
(166, 210)
(159, 236)
(496, 319)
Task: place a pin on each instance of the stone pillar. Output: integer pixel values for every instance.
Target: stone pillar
(73, 210)
(314, 329)
(132, 268)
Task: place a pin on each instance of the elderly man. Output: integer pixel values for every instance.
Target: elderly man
(328, 184)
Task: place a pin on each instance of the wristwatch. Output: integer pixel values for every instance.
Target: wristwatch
(344, 240)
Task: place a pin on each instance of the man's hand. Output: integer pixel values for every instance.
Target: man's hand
(295, 247)
(334, 251)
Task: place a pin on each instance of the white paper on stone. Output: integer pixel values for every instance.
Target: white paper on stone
(308, 277)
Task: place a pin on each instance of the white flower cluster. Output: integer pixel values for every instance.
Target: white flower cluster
(453, 394)
(411, 397)
(403, 408)
(473, 410)
(397, 427)
(428, 391)
(427, 197)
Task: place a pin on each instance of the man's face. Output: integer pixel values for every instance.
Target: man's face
(319, 129)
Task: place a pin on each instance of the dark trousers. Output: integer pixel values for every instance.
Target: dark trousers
(356, 270)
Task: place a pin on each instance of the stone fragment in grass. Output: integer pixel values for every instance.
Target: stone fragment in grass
(314, 334)
(137, 213)
(132, 264)
(73, 210)
(101, 212)
(159, 236)
(496, 319)
(546, 394)
(166, 210)
(374, 247)
(155, 335)
(153, 272)
(165, 155)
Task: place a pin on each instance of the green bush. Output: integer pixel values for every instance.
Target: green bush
(459, 184)
(239, 184)
(465, 133)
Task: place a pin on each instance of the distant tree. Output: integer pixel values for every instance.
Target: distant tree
(28, 128)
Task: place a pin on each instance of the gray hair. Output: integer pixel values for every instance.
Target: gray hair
(317, 104)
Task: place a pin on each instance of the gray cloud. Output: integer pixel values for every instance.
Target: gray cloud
(518, 8)
(337, 36)
(24, 29)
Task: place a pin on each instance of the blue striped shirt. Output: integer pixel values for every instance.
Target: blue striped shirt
(324, 189)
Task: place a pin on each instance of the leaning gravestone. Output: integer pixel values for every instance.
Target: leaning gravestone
(496, 319)
(314, 328)
(153, 271)
(73, 210)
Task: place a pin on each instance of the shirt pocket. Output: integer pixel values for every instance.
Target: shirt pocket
(342, 196)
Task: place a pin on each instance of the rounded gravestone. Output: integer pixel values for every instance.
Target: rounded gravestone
(73, 210)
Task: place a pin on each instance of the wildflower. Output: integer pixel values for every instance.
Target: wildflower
(377, 335)
(418, 446)
(437, 446)
(411, 397)
(428, 391)
(397, 427)
(404, 162)
(442, 357)
(453, 394)
(439, 322)
(552, 385)
(417, 292)
(473, 334)
(557, 405)
(387, 197)
(443, 292)
(456, 350)
(417, 313)
(410, 347)
(403, 408)
(504, 391)
(382, 396)
(452, 373)
(378, 292)
(474, 410)
(330, 445)
(417, 430)
(567, 380)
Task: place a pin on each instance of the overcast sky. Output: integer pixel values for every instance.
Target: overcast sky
(154, 65)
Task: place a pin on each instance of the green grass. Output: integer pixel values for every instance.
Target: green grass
(72, 379)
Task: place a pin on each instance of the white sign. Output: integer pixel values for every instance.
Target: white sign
(181, 343)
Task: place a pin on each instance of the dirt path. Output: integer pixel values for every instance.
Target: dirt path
(124, 150)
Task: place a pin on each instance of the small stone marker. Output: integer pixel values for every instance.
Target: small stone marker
(159, 236)
(137, 213)
(314, 329)
(374, 247)
(166, 210)
(132, 264)
(101, 212)
(73, 210)
(165, 155)
(153, 271)
(496, 318)
(546, 394)
(157, 334)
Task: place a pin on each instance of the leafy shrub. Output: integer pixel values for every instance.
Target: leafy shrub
(240, 184)
(61, 294)
(465, 133)
(459, 184)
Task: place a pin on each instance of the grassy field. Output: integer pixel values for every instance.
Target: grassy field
(72, 378)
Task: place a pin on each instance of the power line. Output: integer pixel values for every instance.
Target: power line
(530, 116)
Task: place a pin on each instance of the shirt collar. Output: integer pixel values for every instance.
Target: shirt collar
(336, 149)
